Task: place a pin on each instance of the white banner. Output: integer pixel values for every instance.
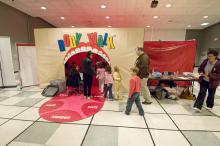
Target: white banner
(27, 64)
(7, 77)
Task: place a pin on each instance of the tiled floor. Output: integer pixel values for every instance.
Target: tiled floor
(166, 123)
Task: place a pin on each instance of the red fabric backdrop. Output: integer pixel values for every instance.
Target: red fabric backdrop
(171, 55)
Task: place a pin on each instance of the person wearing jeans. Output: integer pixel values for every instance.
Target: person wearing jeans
(108, 89)
(209, 79)
(134, 93)
(108, 82)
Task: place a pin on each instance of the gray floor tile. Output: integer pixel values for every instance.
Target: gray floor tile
(217, 96)
(101, 136)
(11, 129)
(122, 106)
(38, 133)
(167, 101)
(3, 98)
(29, 102)
(68, 135)
(198, 138)
(26, 93)
(204, 111)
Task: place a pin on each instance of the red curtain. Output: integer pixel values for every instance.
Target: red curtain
(171, 55)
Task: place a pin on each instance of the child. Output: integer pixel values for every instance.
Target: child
(73, 80)
(108, 83)
(117, 82)
(134, 93)
(101, 76)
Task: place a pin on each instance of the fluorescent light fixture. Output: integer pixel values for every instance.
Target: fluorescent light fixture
(107, 17)
(109, 26)
(155, 17)
(205, 17)
(168, 5)
(62, 18)
(204, 24)
(148, 26)
(72, 26)
(43, 8)
(103, 6)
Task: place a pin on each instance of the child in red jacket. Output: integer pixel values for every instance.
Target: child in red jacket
(134, 93)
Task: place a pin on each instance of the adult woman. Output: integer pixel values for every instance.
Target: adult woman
(88, 72)
(209, 80)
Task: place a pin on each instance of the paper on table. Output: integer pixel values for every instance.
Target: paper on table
(184, 78)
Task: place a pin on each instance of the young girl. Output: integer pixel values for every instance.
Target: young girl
(73, 80)
(117, 82)
(108, 83)
(134, 93)
(101, 76)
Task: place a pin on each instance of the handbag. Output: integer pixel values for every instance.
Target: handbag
(186, 94)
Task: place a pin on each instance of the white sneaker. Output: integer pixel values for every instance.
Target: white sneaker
(109, 99)
(197, 109)
(89, 97)
(209, 108)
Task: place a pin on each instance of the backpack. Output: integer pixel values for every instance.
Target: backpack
(161, 93)
(50, 91)
(61, 84)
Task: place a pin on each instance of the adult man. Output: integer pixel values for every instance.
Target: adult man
(142, 63)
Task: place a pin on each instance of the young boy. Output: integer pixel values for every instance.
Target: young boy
(134, 92)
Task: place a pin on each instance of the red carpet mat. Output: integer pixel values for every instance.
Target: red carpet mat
(63, 108)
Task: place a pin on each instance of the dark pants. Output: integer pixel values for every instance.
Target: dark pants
(134, 98)
(204, 86)
(108, 88)
(87, 84)
(167, 82)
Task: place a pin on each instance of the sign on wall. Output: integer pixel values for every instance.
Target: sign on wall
(94, 39)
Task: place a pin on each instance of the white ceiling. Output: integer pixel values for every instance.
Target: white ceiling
(123, 13)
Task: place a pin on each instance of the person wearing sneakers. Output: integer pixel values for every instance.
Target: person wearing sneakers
(209, 79)
(142, 63)
(134, 92)
(88, 72)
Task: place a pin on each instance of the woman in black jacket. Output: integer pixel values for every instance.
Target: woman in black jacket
(88, 72)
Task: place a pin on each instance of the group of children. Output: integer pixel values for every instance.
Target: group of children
(106, 80)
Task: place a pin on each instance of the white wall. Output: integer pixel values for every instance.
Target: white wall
(164, 35)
